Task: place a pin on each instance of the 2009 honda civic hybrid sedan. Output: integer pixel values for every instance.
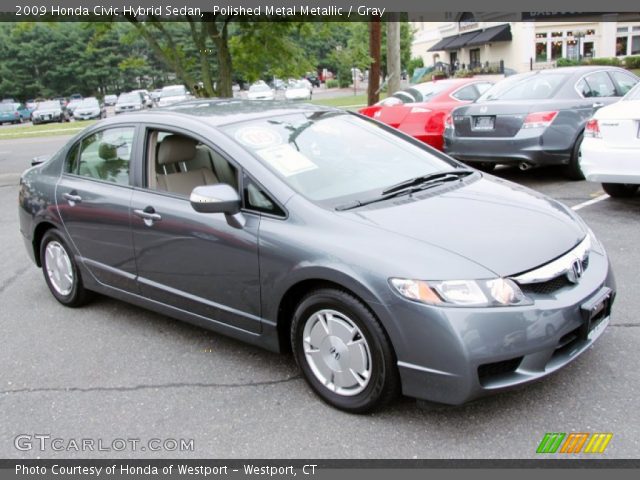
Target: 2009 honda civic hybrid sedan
(534, 118)
(384, 265)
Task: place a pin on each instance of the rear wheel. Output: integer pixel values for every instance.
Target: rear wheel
(343, 352)
(620, 190)
(573, 170)
(60, 271)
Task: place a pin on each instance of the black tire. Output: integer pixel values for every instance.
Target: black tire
(77, 295)
(620, 190)
(487, 167)
(384, 381)
(573, 171)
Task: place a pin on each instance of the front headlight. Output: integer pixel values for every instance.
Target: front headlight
(496, 292)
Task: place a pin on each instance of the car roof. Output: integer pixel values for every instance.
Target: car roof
(577, 69)
(219, 112)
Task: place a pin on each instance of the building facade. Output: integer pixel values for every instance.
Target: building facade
(534, 41)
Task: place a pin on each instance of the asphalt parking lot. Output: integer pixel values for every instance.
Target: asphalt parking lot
(111, 370)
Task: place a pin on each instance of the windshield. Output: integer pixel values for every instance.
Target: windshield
(129, 98)
(529, 86)
(173, 92)
(49, 105)
(89, 102)
(633, 94)
(296, 85)
(7, 107)
(334, 156)
(259, 88)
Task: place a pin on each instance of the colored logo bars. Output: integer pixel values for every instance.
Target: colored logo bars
(573, 443)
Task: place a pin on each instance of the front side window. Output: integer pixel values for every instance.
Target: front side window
(331, 156)
(105, 155)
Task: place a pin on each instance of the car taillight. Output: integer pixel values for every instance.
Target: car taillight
(592, 129)
(448, 121)
(539, 119)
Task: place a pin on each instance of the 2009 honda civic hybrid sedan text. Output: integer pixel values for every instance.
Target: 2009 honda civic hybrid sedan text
(384, 265)
(535, 118)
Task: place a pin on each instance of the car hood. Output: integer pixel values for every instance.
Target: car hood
(501, 226)
(47, 112)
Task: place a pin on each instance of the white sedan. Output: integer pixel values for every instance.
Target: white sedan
(260, 91)
(300, 90)
(610, 152)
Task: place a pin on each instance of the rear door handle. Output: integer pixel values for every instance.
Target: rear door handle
(149, 215)
(598, 105)
(72, 197)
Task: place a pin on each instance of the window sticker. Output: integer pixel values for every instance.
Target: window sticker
(286, 160)
(258, 137)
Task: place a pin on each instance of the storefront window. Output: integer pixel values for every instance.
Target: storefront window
(588, 50)
(541, 52)
(621, 46)
(556, 50)
(635, 45)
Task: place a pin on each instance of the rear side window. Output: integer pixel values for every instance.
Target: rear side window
(625, 81)
(105, 155)
(468, 94)
(597, 84)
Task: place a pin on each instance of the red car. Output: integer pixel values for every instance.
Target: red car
(421, 109)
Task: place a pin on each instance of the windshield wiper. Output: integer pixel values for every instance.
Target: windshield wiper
(410, 186)
(446, 176)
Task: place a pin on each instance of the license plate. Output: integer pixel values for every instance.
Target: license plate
(483, 123)
(595, 314)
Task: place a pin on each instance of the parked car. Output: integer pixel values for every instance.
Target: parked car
(173, 94)
(299, 90)
(146, 97)
(31, 104)
(110, 100)
(63, 101)
(75, 96)
(308, 228)
(73, 104)
(610, 150)
(14, 113)
(534, 118)
(277, 84)
(49, 111)
(129, 102)
(421, 109)
(90, 108)
(313, 79)
(155, 95)
(260, 91)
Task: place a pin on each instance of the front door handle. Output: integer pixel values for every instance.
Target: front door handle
(72, 197)
(149, 215)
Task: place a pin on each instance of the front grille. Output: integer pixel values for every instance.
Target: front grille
(551, 286)
(547, 288)
(488, 371)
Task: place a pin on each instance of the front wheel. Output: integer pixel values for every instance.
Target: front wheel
(620, 190)
(61, 272)
(343, 352)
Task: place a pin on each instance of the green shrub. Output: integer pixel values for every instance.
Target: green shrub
(612, 61)
(566, 62)
(333, 83)
(463, 74)
(344, 81)
(632, 62)
(414, 63)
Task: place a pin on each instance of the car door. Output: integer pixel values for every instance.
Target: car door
(93, 198)
(194, 261)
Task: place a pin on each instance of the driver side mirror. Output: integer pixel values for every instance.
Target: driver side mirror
(219, 198)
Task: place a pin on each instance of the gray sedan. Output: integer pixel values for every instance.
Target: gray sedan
(385, 266)
(535, 118)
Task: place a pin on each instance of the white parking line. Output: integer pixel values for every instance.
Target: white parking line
(590, 202)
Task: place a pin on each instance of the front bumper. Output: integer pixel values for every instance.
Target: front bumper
(527, 146)
(454, 355)
(603, 162)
